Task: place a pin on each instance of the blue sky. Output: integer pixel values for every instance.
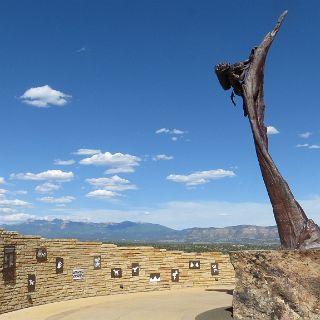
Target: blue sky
(111, 111)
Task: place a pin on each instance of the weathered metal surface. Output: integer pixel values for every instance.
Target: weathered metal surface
(296, 231)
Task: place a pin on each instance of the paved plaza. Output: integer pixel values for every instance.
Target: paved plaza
(182, 304)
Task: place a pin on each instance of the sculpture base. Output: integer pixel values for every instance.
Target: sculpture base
(276, 285)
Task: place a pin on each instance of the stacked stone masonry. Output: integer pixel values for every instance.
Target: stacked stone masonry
(51, 286)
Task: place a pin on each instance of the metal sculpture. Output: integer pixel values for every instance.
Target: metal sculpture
(246, 78)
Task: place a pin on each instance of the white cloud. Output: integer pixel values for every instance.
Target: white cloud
(170, 131)
(47, 187)
(87, 152)
(308, 146)
(174, 138)
(102, 194)
(177, 131)
(188, 214)
(7, 210)
(116, 160)
(305, 135)
(16, 217)
(119, 170)
(162, 130)
(2, 180)
(15, 202)
(305, 145)
(201, 177)
(56, 175)
(66, 199)
(3, 191)
(114, 183)
(44, 96)
(272, 130)
(82, 49)
(159, 157)
(314, 146)
(19, 192)
(59, 162)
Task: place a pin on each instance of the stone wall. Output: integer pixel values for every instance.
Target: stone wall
(273, 285)
(78, 257)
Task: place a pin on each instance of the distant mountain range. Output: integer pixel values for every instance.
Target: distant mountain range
(128, 231)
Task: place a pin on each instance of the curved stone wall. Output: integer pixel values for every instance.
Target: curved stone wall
(37, 271)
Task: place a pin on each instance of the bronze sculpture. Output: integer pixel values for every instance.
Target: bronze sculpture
(246, 78)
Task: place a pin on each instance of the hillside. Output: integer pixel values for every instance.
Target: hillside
(128, 231)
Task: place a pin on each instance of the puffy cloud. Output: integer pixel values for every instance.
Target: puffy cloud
(47, 187)
(170, 131)
(115, 161)
(19, 192)
(174, 138)
(59, 162)
(57, 175)
(2, 180)
(102, 194)
(44, 96)
(66, 199)
(87, 152)
(119, 170)
(16, 217)
(305, 135)
(3, 191)
(114, 183)
(159, 157)
(7, 210)
(15, 202)
(201, 177)
(272, 130)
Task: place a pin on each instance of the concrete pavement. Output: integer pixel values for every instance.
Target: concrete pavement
(182, 304)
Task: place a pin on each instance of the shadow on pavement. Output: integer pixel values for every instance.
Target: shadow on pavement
(216, 314)
(227, 291)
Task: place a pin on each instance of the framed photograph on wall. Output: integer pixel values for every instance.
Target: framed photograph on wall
(41, 254)
(9, 263)
(97, 262)
(59, 265)
(31, 282)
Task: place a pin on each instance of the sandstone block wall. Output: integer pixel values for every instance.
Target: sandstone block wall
(277, 285)
(52, 287)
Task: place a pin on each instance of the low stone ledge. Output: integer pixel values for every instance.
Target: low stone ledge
(276, 285)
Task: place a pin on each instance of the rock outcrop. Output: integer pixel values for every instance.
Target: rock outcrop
(276, 285)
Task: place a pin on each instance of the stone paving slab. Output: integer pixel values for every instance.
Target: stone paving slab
(182, 304)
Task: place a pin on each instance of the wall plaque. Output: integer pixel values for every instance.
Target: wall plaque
(194, 264)
(31, 282)
(77, 274)
(175, 275)
(59, 265)
(116, 273)
(96, 262)
(155, 277)
(9, 263)
(41, 254)
(215, 268)
(135, 269)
